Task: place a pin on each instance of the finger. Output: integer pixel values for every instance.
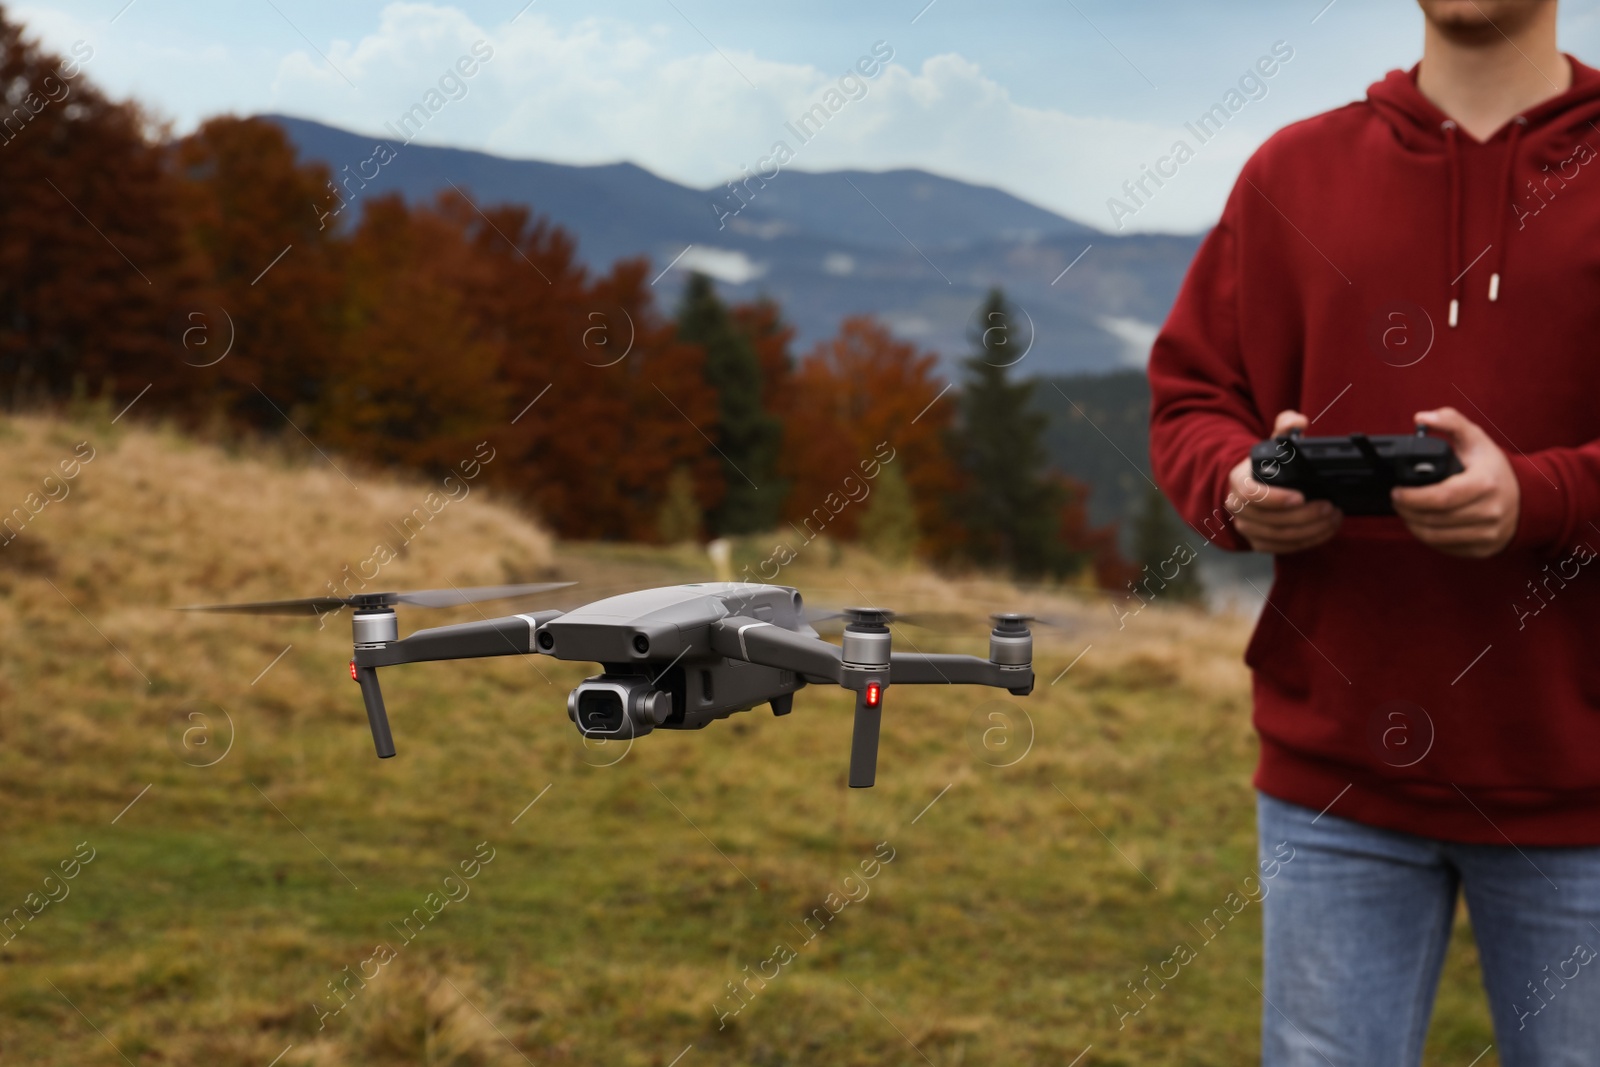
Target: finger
(1462, 431)
(1266, 497)
(1281, 522)
(1298, 532)
(1478, 515)
(1246, 490)
(1451, 494)
(1462, 541)
(1289, 420)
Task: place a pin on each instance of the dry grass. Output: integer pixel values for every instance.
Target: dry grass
(618, 909)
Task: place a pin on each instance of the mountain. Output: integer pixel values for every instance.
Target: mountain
(917, 250)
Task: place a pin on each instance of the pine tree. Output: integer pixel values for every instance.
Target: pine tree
(1158, 536)
(1009, 508)
(747, 435)
(889, 525)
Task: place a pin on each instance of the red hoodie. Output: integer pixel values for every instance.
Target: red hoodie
(1373, 262)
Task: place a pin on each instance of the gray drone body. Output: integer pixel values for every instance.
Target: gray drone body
(680, 657)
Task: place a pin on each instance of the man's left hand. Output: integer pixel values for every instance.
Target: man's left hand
(1474, 513)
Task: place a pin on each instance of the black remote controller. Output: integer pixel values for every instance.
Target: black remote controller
(1354, 473)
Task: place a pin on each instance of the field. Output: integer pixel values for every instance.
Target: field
(253, 865)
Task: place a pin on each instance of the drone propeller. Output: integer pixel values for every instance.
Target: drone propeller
(422, 598)
(927, 620)
(946, 622)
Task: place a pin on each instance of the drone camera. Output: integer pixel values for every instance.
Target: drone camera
(618, 707)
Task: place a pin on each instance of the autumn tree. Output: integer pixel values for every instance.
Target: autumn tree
(93, 264)
(277, 281)
(414, 380)
(581, 430)
(851, 395)
(1094, 547)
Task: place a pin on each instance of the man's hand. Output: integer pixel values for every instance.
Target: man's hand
(1278, 520)
(1473, 513)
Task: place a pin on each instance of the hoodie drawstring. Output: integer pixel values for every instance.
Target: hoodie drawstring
(1452, 151)
(1452, 148)
(1518, 124)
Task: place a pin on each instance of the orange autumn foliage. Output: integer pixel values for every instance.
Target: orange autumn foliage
(849, 395)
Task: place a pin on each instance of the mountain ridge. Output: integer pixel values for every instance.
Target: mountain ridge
(916, 249)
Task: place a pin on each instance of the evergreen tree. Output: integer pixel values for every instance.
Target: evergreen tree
(1009, 507)
(747, 435)
(889, 526)
(1157, 537)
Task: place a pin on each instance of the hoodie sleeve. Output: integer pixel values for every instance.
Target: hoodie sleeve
(1203, 418)
(1560, 490)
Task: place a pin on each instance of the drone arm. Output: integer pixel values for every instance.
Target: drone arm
(508, 636)
(755, 641)
(925, 668)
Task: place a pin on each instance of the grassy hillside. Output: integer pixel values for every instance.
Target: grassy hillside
(249, 862)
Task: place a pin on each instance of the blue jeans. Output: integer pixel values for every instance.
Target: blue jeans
(1355, 926)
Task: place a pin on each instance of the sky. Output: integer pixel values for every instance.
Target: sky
(1057, 102)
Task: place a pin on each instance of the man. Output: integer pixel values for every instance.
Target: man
(1426, 686)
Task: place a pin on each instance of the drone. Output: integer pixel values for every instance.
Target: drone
(677, 657)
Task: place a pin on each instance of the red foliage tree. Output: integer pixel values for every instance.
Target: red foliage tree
(276, 276)
(850, 395)
(93, 265)
(588, 433)
(415, 381)
(1097, 544)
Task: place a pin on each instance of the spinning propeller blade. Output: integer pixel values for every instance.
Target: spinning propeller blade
(422, 598)
(941, 622)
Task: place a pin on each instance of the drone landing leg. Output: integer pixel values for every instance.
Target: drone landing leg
(377, 718)
(864, 742)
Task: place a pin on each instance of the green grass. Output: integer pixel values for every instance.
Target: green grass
(619, 906)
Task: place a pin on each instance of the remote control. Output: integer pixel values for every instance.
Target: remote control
(1354, 473)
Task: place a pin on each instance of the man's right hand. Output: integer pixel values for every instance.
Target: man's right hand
(1279, 520)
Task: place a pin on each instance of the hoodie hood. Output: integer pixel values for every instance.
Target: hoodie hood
(1524, 149)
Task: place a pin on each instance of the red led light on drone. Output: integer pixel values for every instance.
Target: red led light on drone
(353, 677)
(874, 694)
